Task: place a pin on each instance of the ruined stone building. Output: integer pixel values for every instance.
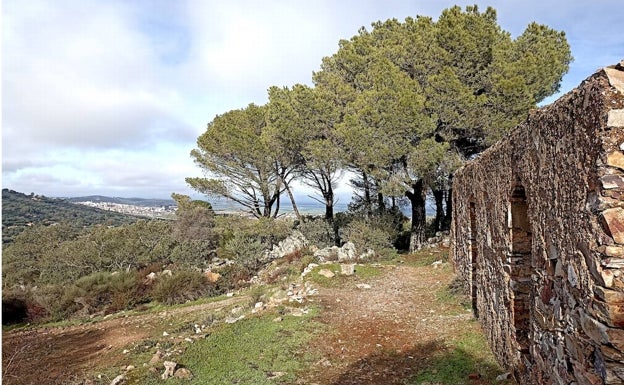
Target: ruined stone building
(538, 235)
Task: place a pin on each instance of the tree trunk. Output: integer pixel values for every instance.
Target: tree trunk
(438, 196)
(380, 203)
(329, 206)
(367, 196)
(419, 220)
(448, 217)
(269, 207)
(292, 200)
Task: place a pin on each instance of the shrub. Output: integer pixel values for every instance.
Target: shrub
(267, 231)
(318, 232)
(58, 300)
(100, 288)
(366, 235)
(278, 273)
(182, 286)
(294, 256)
(247, 250)
(233, 277)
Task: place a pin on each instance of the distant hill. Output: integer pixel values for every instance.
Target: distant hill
(20, 211)
(124, 201)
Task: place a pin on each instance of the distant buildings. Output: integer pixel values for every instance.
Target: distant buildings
(165, 212)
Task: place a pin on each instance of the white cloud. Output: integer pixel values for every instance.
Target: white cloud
(75, 77)
(110, 96)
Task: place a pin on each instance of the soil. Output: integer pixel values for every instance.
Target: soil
(382, 334)
(386, 334)
(61, 355)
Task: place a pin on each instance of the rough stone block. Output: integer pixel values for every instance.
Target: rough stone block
(616, 118)
(616, 159)
(610, 313)
(607, 277)
(614, 223)
(615, 337)
(612, 181)
(616, 78)
(610, 296)
(594, 329)
(613, 263)
(611, 353)
(612, 251)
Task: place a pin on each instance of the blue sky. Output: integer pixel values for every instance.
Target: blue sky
(109, 97)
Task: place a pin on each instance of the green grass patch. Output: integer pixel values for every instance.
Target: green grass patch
(424, 257)
(466, 355)
(247, 352)
(362, 273)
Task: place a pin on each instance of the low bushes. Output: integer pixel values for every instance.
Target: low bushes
(318, 231)
(56, 272)
(182, 286)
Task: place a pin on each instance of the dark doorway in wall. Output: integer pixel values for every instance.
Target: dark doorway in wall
(474, 253)
(520, 265)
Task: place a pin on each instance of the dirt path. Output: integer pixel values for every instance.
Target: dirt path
(386, 333)
(62, 355)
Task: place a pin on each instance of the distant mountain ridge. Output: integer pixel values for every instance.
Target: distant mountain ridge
(19, 211)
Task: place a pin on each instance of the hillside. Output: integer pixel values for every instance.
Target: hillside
(20, 211)
(398, 322)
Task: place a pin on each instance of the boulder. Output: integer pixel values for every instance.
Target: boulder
(347, 252)
(296, 241)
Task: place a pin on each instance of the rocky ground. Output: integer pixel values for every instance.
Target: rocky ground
(382, 330)
(60, 355)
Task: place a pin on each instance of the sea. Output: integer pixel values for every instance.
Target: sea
(308, 207)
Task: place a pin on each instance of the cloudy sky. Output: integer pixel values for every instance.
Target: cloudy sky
(108, 97)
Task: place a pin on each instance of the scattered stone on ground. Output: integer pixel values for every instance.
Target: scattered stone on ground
(347, 269)
(169, 369)
(156, 357)
(183, 373)
(273, 375)
(326, 273)
(503, 377)
(119, 380)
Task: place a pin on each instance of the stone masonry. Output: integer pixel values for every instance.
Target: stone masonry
(538, 237)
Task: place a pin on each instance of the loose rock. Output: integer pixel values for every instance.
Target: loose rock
(156, 357)
(169, 369)
(326, 273)
(347, 269)
(184, 374)
(119, 380)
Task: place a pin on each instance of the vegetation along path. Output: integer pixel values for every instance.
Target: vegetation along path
(391, 323)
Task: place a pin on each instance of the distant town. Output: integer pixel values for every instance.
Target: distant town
(164, 212)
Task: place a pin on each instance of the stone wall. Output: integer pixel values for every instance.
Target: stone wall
(538, 236)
